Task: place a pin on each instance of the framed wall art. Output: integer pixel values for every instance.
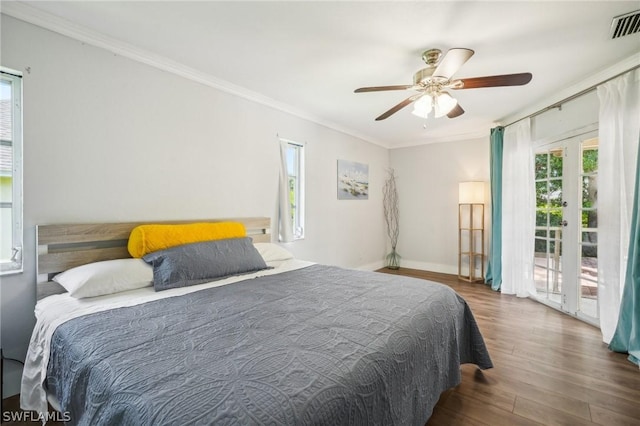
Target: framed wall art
(353, 180)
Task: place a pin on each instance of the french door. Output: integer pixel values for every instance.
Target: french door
(566, 238)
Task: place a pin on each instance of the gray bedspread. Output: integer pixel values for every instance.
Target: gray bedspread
(320, 345)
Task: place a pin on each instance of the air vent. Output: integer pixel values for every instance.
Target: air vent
(626, 24)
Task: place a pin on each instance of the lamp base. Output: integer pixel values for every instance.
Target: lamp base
(470, 279)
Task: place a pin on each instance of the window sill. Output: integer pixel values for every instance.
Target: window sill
(10, 268)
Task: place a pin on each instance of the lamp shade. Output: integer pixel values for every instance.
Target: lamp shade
(422, 107)
(471, 193)
(444, 104)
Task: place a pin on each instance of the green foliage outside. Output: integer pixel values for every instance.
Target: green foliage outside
(292, 198)
(548, 174)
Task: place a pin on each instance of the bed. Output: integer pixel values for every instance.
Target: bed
(293, 343)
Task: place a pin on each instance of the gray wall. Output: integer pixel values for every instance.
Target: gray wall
(428, 178)
(110, 139)
(575, 114)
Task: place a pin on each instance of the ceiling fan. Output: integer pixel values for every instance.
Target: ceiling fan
(431, 82)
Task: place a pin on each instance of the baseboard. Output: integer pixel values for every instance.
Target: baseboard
(428, 266)
(371, 266)
(413, 264)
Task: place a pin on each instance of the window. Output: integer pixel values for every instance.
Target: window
(10, 172)
(295, 172)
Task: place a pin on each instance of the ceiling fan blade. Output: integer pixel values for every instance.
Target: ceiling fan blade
(452, 61)
(493, 81)
(382, 88)
(401, 105)
(456, 111)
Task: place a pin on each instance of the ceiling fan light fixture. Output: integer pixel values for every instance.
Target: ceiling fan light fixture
(430, 82)
(422, 107)
(443, 104)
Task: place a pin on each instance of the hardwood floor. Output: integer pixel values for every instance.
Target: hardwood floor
(549, 368)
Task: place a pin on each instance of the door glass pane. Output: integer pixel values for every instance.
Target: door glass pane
(555, 281)
(541, 252)
(549, 197)
(555, 163)
(555, 218)
(588, 274)
(590, 156)
(589, 218)
(540, 277)
(541, 218)
(555, 260)
(542, 194)
(555, 192)
(589, 190)
(541, 165)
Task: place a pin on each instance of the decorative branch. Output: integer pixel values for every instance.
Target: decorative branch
(390, 204)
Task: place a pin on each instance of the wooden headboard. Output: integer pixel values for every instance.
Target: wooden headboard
(61, 247)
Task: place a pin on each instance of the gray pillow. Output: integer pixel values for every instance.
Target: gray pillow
(197, 263)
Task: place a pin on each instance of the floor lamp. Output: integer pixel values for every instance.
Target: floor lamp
(471, 231)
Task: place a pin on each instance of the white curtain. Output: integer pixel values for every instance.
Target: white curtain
(619, 130)
(518, 210)
(284, 204)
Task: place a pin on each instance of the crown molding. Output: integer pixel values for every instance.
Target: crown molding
(32, 15)
(460, 137)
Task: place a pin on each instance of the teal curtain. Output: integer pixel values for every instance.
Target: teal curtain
(627, 335)
(494, 267)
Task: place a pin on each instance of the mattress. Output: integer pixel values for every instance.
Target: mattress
(301, 344)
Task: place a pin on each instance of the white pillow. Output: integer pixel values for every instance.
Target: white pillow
(107, 277)
(273, 254)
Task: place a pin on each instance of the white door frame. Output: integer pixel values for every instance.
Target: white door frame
(571, 193)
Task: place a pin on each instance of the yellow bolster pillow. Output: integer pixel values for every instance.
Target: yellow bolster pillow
(149, 238)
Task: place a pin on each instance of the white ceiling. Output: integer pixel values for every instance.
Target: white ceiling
(308, 57)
